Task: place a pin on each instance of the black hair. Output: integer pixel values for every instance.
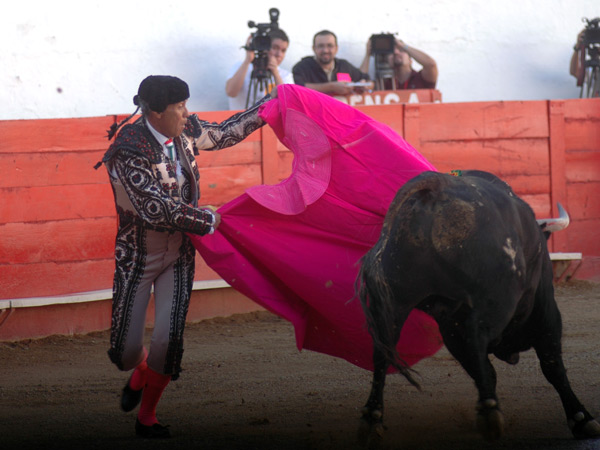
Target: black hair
(278, 33)
(324, 33)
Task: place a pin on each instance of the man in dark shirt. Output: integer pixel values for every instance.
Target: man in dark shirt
(401, 62)
(325, 73)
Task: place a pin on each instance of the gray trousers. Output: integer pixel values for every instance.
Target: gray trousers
(163, 262)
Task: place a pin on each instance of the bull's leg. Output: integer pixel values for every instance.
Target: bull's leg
(580, 421)
(470, 349)
(372, 412)
(371, 430)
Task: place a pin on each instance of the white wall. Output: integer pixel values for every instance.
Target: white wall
(66, 58)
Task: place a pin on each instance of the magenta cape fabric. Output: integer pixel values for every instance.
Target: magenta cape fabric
(295, 247)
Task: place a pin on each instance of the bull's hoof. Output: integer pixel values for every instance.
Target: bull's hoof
(370, 435)
(490, 420)
(583, 428)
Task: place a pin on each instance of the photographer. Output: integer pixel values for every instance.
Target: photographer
(577, 58)
(324, 72)
(401, 62)
(585, 60)
(238, 84)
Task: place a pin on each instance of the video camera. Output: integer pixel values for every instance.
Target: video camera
(592, 31)
(261, 44)
(382, 44)
(261, 41)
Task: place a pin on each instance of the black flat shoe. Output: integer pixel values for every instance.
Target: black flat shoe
(156, 431)
(130, 398)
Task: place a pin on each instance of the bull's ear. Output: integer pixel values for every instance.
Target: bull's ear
(551, 225)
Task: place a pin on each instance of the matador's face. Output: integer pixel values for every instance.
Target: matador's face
(172, 120)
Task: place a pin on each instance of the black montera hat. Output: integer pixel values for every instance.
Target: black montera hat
(159, 91)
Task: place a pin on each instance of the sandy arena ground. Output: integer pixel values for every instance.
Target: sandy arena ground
(245, 386)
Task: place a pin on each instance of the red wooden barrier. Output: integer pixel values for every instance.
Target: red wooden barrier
(57, 218)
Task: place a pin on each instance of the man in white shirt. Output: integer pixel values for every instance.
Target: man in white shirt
(238, 83)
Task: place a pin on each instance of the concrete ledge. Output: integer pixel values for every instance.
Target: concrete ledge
(558, 256)
(92, 296)
(72, 316)
(105, 294)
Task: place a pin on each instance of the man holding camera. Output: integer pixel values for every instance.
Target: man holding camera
(400, 61)
(325, 73)
(585, 59)
(576, 68)
(239, 82)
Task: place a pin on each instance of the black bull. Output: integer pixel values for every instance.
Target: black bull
(470, 253)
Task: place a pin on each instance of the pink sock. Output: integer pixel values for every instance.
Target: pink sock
(138, 377)
(155, 385)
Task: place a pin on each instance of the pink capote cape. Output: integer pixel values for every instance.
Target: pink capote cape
(295, 248)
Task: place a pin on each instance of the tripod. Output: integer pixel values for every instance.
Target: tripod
(261, 80)
(591, 78)
(383, 72)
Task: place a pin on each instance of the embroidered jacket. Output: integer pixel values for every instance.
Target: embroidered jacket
(144, 180)
(150, 196)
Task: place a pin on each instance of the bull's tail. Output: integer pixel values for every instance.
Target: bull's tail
(377, 303)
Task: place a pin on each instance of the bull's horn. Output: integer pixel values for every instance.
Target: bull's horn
(551, 225)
